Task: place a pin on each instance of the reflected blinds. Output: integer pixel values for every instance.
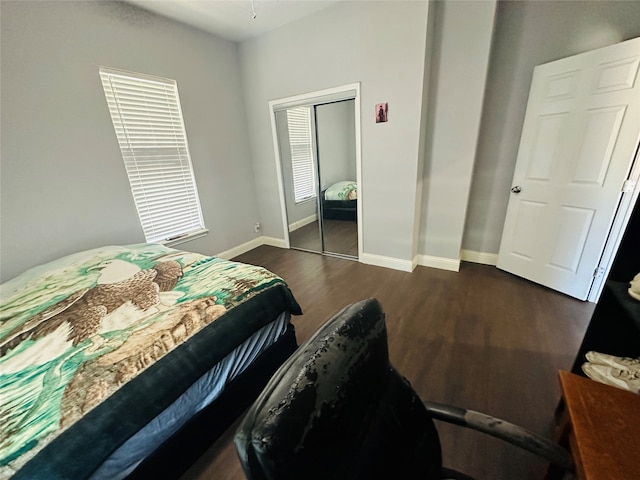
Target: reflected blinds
(299, 125)
(147, 119)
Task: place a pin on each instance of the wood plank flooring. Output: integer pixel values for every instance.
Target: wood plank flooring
(480, 338)
(340, 236)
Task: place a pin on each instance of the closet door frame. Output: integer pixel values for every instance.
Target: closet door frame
(344, 92)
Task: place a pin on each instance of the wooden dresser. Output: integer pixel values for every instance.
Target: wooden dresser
(600, 426)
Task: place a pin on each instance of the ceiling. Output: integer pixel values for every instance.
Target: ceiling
(233, 19)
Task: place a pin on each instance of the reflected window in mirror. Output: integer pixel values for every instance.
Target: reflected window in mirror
(299, 125)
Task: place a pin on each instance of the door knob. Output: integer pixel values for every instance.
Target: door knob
(516, 189)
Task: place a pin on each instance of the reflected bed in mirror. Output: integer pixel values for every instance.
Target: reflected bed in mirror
(339, 206)
(340, 201)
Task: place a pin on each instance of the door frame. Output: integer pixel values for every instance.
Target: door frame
(319, 97)
(619, 225)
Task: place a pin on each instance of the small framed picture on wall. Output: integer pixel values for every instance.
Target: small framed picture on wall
(382, 112)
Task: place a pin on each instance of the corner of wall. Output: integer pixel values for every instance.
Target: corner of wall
(387, 262)
(479, 257)
(441, 263)
(250, 245)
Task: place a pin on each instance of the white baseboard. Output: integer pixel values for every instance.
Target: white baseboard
(479, 257)
(273, 242)
(387, 262)
(250, 245)
(408, 266)
(301, 223)
(442, 263)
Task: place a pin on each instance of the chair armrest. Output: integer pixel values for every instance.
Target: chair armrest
(514, 434)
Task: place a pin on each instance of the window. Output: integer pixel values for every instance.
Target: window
(147, 119)
(299, 124)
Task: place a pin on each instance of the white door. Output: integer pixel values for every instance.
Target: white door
(580, 132)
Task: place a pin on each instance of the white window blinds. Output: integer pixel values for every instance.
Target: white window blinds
(299, 124)
(147, 119)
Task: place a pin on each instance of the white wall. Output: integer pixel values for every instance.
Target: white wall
(459, 65)
(529, 33)
(381, 45)
(63, 185)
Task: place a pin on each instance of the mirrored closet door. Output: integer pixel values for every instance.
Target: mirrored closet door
(318, 154)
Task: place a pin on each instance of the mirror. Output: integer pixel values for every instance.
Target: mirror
(317, 149)
(335, 133)
(301, 203)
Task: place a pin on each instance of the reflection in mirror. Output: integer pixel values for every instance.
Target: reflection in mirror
(317, 150)
(335, 127)
(295, 141)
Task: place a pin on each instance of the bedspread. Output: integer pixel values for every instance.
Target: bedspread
(77, 334)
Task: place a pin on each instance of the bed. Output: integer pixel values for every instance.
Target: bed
(130, 360)
(339, 201)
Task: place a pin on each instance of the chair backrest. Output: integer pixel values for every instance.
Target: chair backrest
(336, 409)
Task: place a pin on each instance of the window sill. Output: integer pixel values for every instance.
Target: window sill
(185, 238)
(306, 200)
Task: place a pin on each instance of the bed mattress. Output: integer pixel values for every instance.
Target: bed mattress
(201, 394)
(89, 356)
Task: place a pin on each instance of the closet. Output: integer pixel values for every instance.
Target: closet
(317, 151)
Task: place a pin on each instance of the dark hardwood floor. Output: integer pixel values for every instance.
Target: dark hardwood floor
(341, 236)
(480, 338)
(306, 238)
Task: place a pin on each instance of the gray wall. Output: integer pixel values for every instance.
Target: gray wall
(335, 126)
(381, 45)
(459, 64)
(529, 33)
(63, 186)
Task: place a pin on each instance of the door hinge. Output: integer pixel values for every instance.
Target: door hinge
(628, 186)
(598, 272)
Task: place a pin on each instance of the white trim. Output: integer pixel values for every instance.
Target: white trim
(250, 245)
(414, 262)
(274, 242)
(618, 227)
(479, 257)
(442, 263)
(387, 262)
(330, 95)
(240, 249)
(361, 186)
(301, 223)
(279, 175)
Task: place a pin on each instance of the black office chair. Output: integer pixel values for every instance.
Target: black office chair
(337, 409)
